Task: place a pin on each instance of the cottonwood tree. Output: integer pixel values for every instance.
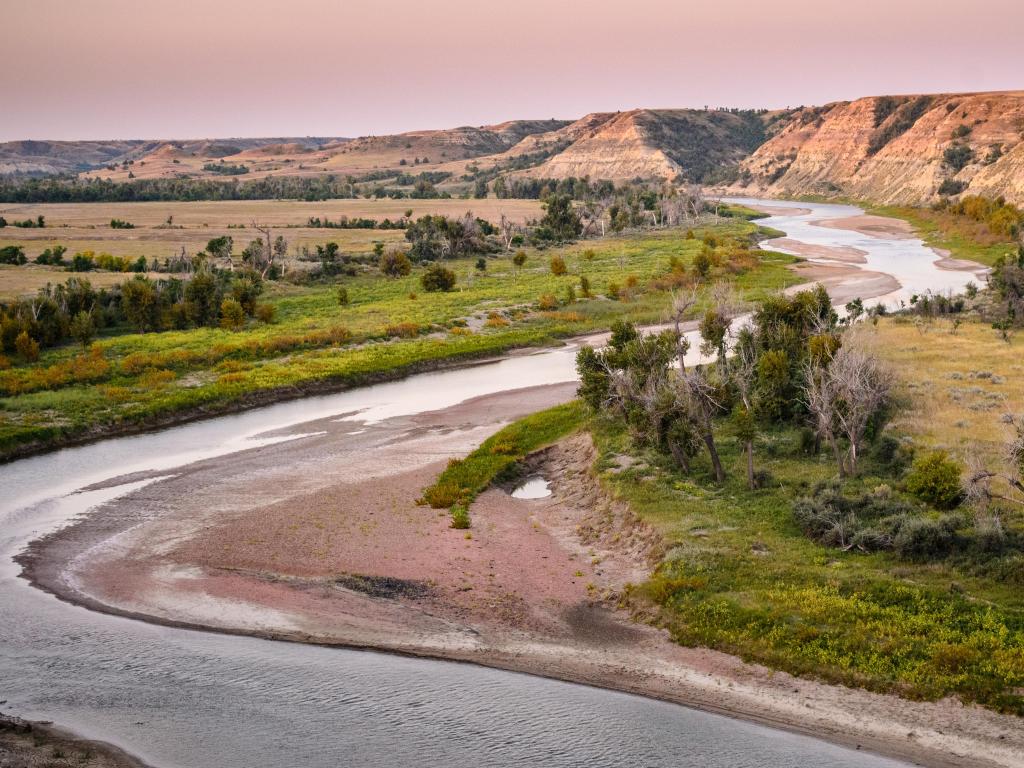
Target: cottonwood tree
(697, 397)
(744, 379)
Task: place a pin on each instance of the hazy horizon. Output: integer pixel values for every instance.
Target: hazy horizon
(114, 69)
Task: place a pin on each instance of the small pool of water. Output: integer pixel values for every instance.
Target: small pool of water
(535, 487)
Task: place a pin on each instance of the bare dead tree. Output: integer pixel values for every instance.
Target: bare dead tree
(822, 400)
(863, 384)
(980, 481)
(744, 375)
(592, 215)
(509, 229)
(682, 302)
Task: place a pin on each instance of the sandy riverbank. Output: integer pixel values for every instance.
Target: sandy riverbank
(26, 744)
(337, 551)
(875, 226)
(839, 253)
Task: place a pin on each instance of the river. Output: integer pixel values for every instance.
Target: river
(181, 699)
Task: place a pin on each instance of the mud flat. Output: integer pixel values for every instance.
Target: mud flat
(321, 540)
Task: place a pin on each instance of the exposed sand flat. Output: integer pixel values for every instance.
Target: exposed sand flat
(779, 210)
(845, 283)
(875, 226)
(842, 253)
(337, 551)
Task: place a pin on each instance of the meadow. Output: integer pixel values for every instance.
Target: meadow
(388, 327)
(86, 226)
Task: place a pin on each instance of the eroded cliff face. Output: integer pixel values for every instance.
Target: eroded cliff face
(670, 144)
(903, 149)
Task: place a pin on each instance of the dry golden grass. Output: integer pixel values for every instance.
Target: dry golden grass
(27, 280)
(86, 226)
(957, 386)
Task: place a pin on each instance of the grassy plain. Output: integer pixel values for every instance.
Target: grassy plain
(86, 226)
(389, 327)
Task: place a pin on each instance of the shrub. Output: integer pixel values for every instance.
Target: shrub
(232, 316)
(438, 278)
(923, 539)
(547, 302)
(558, 267)
(935, 479)
(27, 347)
(951, 187)
(958, 157)
(395, 264)
(460, 516)
(585, 286)
(403, 330)
(12, 254)
(342, 295)
(266, 313)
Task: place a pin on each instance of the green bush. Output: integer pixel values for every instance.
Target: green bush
(460, 516)
(437, 278)
(935, 479)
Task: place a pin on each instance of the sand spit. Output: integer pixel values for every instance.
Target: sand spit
(840, 253)
(874, 226)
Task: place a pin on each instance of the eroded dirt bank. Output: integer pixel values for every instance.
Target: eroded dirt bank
(321, 540)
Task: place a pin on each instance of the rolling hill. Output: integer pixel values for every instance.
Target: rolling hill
(887, 149)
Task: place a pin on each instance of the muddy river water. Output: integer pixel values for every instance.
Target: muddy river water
(182, 698)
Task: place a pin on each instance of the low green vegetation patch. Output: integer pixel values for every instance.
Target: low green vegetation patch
(974, 228)
(742, 576)
(458, 485)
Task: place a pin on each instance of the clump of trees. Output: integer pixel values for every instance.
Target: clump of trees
(677, 409)
(435, 237)
(75, 311)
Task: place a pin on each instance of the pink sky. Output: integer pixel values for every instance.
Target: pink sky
(219, 68)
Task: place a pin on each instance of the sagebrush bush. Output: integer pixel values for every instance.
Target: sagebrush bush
(924, 539)
(935, 478)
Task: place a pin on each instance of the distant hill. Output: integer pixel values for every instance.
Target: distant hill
(905, 149)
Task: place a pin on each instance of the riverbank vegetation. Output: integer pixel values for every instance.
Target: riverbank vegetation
(890, 562)
(307, 340)
(894, 574)
(974, 228)
(460, 482)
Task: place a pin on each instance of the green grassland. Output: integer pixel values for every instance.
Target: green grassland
(390, 327)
